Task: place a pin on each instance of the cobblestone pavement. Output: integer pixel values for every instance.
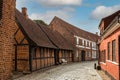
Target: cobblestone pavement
(73, 71)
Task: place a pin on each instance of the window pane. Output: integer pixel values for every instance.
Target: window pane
(103, 56)
(113, 51)
(108, 50)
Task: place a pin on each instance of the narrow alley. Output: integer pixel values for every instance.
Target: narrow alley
(72, 71)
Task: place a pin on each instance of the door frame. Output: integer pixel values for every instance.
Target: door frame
(56, 54)
(83, 55)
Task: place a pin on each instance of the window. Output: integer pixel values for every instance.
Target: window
(84, 43)
(93, 54)
(113, 50)
(89, 53)
(94, 45)
(103, 56)
(77, 52)
(108, 50)
(80, 41)
(87, 43)
(102, 30)
(1, 5)
(77, 39)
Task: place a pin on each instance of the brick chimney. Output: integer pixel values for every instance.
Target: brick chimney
(24, 12)
(96, 33)
(7, 30)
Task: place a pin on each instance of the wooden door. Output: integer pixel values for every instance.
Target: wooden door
(83, 55)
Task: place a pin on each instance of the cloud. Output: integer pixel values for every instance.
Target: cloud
(90, 5)
(103, 11)
(21, 3)
(64, 13)
(60, 2)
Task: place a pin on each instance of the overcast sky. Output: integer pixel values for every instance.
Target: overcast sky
(85, 14)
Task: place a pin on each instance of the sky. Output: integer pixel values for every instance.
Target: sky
(84, 14)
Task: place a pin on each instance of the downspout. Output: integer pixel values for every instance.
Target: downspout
(119, 48)
(30, 59)
(119, 56)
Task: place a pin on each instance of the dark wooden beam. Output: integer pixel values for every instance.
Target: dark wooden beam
(1, 7)
(30, 59)
(15, 58)
(22, 40)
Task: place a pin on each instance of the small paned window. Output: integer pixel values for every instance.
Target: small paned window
(77, 41)
(80, 41)
(108, 50)
(103, 56)
(87, 43)
(84, 43)
(113, 50)
(89, 53)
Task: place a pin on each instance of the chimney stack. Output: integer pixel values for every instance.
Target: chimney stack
(96, 33)
(24, 12)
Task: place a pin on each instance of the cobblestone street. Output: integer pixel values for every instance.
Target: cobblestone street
(73, 71)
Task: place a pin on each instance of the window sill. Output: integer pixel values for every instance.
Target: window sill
(103, 63)
(113, 62)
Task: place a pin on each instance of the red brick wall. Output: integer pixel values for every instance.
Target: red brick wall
(111, 67)
(65, 33)
(6, 38)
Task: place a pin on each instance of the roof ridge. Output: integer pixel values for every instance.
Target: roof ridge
(33, 31)
(46, 34)
(73, 25)
(112, 14)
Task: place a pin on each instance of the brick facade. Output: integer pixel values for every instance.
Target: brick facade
(107, 61)
(6, 38)
(41, 50)
(72, 34)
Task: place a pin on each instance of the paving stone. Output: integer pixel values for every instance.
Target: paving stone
(74, 71)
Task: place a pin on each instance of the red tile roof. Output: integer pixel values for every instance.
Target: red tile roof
(56, 38)
(107, 20)
(72, 29)
(32, 31)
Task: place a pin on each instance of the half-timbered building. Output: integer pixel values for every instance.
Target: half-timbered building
(109, 45)
(37, 46)
(64, 48)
